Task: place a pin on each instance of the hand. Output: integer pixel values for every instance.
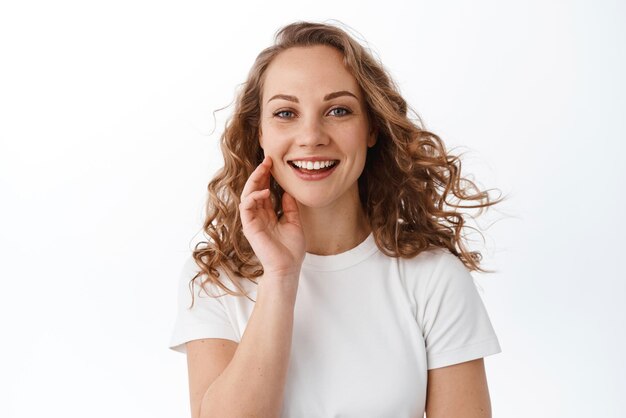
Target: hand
(279, 244)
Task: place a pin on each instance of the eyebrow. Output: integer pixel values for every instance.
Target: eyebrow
(329, 96)
(339, 94)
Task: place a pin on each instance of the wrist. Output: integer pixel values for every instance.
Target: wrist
(286, 284)
(283, 276)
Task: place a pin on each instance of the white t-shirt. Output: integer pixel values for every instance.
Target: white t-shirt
(367, 327)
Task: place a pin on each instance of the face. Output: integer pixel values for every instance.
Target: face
(314, 114)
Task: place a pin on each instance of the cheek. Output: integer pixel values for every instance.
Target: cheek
(356, 141)
(273, 141)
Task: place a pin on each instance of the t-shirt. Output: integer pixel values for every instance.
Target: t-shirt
(367, 328)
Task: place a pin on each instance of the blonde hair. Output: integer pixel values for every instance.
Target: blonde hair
(407, 187)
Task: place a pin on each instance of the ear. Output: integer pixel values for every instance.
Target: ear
(373, 135)
(260, 135)
(372, 138)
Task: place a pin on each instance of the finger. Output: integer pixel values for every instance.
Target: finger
(270, 163)
(290, 209)
(259, 179)
(267, 203)
(255, 200)
(254, 181)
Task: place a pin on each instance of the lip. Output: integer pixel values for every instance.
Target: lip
(312, 159)
(313, 176)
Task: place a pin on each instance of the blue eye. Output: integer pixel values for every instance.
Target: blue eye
(339, 111)
(284, 114)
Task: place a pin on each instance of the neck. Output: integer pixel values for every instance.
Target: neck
(334, 229)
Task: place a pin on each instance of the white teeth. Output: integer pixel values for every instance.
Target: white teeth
(310, 165)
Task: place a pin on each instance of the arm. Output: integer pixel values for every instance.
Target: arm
(253, 383)
(458, 391)
(248, 380)
(206, 360)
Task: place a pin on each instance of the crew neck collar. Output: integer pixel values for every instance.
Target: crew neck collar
(342, 260)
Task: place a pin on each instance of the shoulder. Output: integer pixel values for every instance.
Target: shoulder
(191, 271)
(202, 287)
(434, 272)
(434, 262)
(190, 285)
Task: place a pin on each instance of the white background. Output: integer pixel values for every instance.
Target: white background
(106, 147)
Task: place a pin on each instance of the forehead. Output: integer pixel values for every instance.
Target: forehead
(314, 70)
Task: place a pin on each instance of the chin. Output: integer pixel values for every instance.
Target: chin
(312, 201)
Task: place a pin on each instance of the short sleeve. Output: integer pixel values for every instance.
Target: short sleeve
(206, 319)
(456, 325)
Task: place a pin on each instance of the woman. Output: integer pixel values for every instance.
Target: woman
(340, 216)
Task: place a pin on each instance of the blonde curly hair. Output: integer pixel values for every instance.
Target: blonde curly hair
(411, 188)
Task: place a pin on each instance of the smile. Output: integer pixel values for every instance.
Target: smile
(311, 165)
(308, 170)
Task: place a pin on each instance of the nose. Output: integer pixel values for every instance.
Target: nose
(312, 133)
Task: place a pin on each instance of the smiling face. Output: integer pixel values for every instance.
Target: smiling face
(314, 114)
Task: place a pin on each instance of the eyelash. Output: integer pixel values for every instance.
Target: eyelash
(277, 114)
(346, 112)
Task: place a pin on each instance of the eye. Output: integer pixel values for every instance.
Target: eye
(339, 111)
(284, 114)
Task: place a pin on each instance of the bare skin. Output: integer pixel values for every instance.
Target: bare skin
(299, 120)
(313, 106)
(459, 391)
(279, 244)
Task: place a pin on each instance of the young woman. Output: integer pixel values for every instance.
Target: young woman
(336, 281)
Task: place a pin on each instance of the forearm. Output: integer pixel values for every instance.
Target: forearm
(253, 384)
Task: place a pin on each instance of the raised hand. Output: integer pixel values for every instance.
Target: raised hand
(279, 244)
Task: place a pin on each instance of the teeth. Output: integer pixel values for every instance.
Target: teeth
(310, 165)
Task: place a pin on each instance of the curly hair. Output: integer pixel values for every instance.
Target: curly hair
(411, 188)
